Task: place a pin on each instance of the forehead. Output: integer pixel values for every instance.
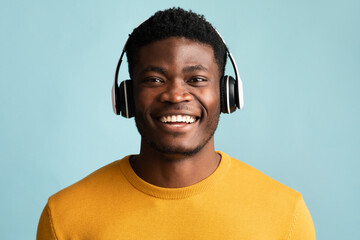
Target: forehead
(174, 51)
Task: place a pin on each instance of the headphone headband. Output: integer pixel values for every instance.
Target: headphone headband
(240, 99)
(231, 93)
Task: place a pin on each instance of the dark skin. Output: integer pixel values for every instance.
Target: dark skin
(177, 107)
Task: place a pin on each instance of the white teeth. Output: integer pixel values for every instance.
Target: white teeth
(177, 118)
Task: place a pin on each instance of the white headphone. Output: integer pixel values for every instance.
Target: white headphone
(231, 90)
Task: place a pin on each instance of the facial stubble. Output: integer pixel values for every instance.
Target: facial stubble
(170, 150)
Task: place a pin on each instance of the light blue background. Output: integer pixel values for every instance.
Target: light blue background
(299, 60)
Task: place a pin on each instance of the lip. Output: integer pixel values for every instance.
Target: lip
(177, 119)
(175, 113)
(176, 127)
(179, 127)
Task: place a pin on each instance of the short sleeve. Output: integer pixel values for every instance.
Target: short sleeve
(302, 226)
(45, 229)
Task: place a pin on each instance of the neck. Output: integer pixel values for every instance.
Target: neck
(175, 170)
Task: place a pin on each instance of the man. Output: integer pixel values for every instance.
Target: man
(178, 186)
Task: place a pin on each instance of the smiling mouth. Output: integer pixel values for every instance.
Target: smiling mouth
(178, 119)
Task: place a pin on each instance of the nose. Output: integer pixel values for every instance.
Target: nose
(176, 92)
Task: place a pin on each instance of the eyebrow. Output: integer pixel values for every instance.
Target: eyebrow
(152, 68)
(194, 68)
(161, 70)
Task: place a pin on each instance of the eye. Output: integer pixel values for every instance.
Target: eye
(198, 81)
(152, 81)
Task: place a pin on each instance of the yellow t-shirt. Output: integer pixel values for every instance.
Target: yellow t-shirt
(235, 202)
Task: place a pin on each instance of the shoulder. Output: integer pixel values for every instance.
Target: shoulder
(75, 207)
(248, 177)
(90, 188)
(259, 192)
(268, 201)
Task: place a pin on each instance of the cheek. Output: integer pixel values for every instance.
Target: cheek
(210, 99)
(142, 100)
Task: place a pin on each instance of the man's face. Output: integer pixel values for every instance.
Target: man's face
(176, 93)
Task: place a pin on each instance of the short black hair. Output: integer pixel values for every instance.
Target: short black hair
(175, 22)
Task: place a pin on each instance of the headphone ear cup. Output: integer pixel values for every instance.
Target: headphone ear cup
(239, 94)
(227, 94)
(125, 99)
(222, 95)
(114, 97)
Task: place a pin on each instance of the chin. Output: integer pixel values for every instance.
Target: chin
(177, 147)
(176, 150)
(180, 145)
